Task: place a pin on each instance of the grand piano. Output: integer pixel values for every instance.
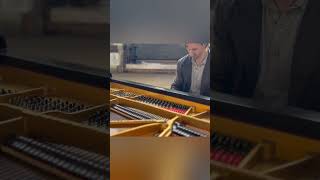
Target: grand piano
(251, 142)
(54, 120)
(139, 110)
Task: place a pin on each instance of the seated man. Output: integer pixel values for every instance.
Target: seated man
(193, 70)
(268, 50)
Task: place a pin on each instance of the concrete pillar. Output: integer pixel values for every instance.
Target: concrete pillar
(117, 58)
(34, 21)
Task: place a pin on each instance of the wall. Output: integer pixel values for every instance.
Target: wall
(11, 14)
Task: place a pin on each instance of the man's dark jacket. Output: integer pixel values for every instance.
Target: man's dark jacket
(236, 45)
(3, 44)
(184, 74)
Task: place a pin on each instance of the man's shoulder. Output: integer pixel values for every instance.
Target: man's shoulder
(184, 59)
(227, 6)
(230, 3)
(223, 4)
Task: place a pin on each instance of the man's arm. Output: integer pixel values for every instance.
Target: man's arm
(178, 81)
(223, 62)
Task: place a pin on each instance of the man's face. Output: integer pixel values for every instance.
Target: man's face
(195, 50)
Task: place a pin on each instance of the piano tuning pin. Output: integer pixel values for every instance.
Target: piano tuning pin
(162, 103)
(228, 149)
(42, 104)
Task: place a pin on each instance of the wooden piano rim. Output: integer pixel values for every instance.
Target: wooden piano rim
(142, 129)
(181, 95)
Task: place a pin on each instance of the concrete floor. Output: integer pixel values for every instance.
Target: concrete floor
(159, 80)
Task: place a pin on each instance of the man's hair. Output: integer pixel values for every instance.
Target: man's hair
(202, 43)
